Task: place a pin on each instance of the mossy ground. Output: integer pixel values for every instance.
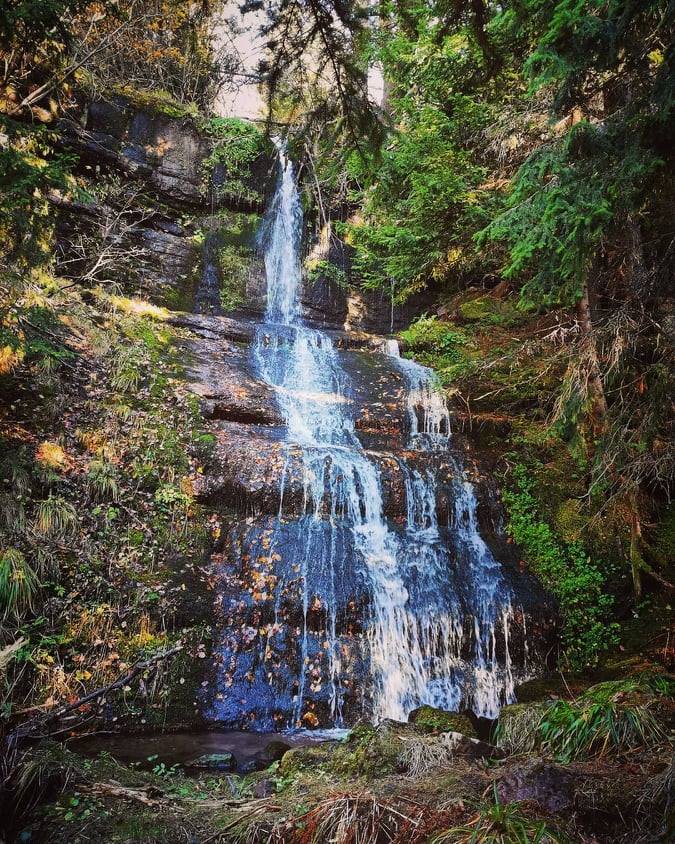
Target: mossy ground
(616, 798)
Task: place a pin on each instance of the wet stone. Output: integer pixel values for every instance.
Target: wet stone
(224, 762)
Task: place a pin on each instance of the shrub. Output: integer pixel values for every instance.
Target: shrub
(577, 581)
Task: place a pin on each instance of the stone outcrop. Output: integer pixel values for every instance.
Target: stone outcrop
(164, 191)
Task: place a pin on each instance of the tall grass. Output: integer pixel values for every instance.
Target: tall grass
(571, 731)
(55, 518)
(18, 585)
(499, 823)
(608, 724)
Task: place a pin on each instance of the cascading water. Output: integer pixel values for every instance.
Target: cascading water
(434, 625)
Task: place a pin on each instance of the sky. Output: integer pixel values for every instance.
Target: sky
(246, 99)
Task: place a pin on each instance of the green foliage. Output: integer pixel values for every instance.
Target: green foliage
(579, 730)
(566, 569)
(500, 823)
(235, 263)
(437, 344)
(18, 584)
(327, 270)
(563, 200)
(29, 168)
(423, 203)
(239, 146)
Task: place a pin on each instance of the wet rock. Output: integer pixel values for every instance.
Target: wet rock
(275, 749)
(221, 376)
(431, 720)
(273, 752)
(247, 470)
(551, 786)
(223, 762)
(458, 744)
(264, 788)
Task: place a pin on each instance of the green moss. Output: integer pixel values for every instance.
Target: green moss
(157, 102)
(565, 568)
(370, 752)
(569, 521)
(490, 311)
(432, 720)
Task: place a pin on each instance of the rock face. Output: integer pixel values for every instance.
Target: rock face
(293, 579)
(166, 174)
(261, 571)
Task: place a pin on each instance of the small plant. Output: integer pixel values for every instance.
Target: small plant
(18, 584)
(500, 823)
(102, 480)
(126, 375)
(55, 518)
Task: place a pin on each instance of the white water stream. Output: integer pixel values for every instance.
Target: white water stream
(419, 632)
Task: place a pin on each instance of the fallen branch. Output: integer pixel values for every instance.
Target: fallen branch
(149, 796)
(31, 729)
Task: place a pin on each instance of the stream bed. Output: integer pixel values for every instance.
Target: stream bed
(183, 748)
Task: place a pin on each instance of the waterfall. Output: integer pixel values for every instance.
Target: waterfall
(436, 626)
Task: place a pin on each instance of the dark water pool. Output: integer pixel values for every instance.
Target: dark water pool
(182, 748)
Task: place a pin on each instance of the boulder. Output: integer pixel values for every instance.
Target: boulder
(275, 749)
(428, 719)
(273, 752)
(458, 744)
(549, 785)
(224, 762)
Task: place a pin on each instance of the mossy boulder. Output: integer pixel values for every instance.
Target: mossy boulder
(309, 757)
(428, 719)
(551, 688)
(369, 752)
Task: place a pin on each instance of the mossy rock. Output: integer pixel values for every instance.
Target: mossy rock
(428, 719)
(310, 756)
(225, 762)
(551, 688)
(490, 311)
(369, 752)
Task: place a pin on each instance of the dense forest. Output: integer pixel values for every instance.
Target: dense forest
(483, 188)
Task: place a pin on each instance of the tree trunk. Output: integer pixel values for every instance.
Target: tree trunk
(596, 387)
